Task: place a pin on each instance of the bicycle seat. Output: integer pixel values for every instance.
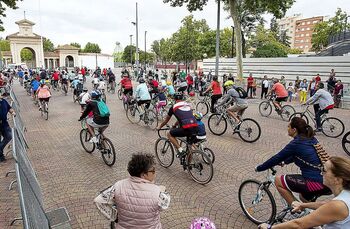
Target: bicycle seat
(192, 139)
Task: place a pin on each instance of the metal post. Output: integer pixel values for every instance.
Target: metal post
(217, 41)
(137, 39)
(131, 50)
(0, 58)
(145, 47)
(233, 40)
(96, 59)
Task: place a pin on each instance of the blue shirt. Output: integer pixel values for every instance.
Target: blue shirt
(171, 89)
(201, 128)
(35, 85)
(20, 74)
(142, 92)
(75, 83)
(4, 109)
(298, 148)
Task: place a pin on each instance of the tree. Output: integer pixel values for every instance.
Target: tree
(276, 7)
(270, 50)
(48, 45)
(26, 55)
(156, 48)
(76, 44)
(92, 48)
(127, 54)
(4, 45)
(12, 4)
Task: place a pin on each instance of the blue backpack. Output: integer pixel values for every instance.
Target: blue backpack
(102, 108)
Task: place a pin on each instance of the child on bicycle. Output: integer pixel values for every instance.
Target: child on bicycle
(201, 135)
(162, 99)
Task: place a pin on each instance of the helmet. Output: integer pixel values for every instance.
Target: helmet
(95, 94)
(191, 93)
(168, 83)
(42, 81)
(215, 78)
(202, 223)
(141, 80)
(228, 83)
(85, 89)
(76, 77)
(178, 96)
(198, 115)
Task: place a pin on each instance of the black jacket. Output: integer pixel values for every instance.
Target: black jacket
(92, 106)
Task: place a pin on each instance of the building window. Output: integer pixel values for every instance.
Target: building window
(307, 40)
(303, 23)
(306, 46)
(314, 22)
(302, 35)
(307, 28)
(302, 41)
(302, 29)
(307, 34)
(308, 22)
(301, 47)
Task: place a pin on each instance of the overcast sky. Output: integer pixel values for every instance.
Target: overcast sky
(107, 21)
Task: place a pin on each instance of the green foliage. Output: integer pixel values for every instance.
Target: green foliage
(323, 30)
(26, 55)
(118, 56)
(270, 50)
(156, 48)
(4, 4)
(48, 45)
(294, 51)
(76, 44)
(92, 48)
(5, 45)
(127, 52)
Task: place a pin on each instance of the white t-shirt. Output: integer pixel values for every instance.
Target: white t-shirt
(101, 85)
(85, 96)
(95, 80)
(265, 83)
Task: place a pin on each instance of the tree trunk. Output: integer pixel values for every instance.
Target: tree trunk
(238, 35)
(243, 46)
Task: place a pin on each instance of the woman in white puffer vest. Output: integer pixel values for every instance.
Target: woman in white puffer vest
(139, 201)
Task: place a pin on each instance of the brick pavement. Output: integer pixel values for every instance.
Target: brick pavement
(71, 177)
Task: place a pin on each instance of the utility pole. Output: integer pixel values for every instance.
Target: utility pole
(233, 40)
(145, 47)
(137, 38)
(217, 41)
(131, 50)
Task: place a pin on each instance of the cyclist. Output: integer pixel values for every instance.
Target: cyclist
(55, 78)
(96, 121)
(240, 104)
(83, 98)
(101, 85)
(111, 78)
(182, 85)
(5, 129)
(217, 93)
(333, 214)
(302, 152)
(170, 88)
(188, 124)
(35, 86)
(43, 94)
(281, 94)
(65, 81)
(153, 85)
(126, 84)
(201, 135)
(325, 103)
(95, 82)
(142, 94)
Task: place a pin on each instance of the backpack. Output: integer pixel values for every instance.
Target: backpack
(102, 108)
(80, 87)
(242, 93)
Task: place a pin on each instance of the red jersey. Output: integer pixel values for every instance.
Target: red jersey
(126, 83)
(250, 81)
(56, 76)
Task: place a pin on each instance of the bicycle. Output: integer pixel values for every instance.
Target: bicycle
(44, 109)
(111, 87)
(133, 114)
(331, 126)
(248, 130)
(104, 145)
(64, 89)
(203, 105)
(195, 161)
(103, 95)
(256, 202)
(346, 143)
(265, 109)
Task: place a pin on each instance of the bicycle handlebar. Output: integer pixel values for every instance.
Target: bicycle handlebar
(167, 128)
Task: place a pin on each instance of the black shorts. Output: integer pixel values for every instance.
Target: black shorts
(309, 189)
(281, 99)
(147, 102)
(44, 99)
(181, 132)
(126, 91)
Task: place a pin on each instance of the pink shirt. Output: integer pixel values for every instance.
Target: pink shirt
(280, 90)
(216, 88)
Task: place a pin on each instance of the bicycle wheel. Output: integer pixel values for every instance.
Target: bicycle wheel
(256, 205)
(300, 115)
(164, 152)
(120, 94)
(151, 119)
(346, 143)
(74, 98)
(249, 130)
(108, 152)
(202, 107)
(200, 167)
(332, 127)
(217, 124)
(104, 98)
(85, 137)
(287, 111)
(265, 108)
(210, 154)
(133, 114)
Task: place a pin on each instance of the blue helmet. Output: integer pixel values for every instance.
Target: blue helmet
(95, 94)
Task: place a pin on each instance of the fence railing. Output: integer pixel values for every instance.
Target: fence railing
(33, 214)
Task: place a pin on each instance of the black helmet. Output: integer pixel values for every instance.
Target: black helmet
(215, 78)
(178, 96)
(141, 80)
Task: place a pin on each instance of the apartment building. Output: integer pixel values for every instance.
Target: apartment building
(303, 32)
(288, 24)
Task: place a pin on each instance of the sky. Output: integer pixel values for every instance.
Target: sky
(106, 22)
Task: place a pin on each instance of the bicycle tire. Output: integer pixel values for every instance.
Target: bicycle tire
(152, 119)
(329, 130)
(346, 143)
(120, 94)
(46, 115)
(196, 161)
(286, 112)
(133, 114)
(265, 108)
(210, 154)
(248, 211)
(202, 107)
(85, 137)
(300, 115)
(214, 121)
(162, 149)
(74, 98)
(110, 154)
(245, 128)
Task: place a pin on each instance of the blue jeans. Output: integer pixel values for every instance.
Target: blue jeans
(6, 135)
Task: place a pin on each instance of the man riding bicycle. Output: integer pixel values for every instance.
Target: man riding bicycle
(142, 94)
(239, 104)
(126, 84)
(186, 120)
(281, 94)
(324, 102)
(96, 121)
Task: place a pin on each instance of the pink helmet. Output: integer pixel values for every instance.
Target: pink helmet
(202, 223)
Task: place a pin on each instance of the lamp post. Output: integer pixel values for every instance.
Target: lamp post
(233, 40)
(137, 38)
(131, 49)
(145, 47)
(217, 41)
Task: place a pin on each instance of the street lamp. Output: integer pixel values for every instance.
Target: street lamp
(131, 49)
(136, 24)
(233, 40)
(217, 41)
(145, 47)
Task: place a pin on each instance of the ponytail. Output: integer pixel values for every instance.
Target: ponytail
(302, 127)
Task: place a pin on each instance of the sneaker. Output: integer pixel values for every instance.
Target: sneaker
(180, 152)
(39, 108)
(318, 130)
(93, 140)
(296, 215)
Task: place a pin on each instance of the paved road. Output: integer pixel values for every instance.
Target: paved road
(70, 177)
